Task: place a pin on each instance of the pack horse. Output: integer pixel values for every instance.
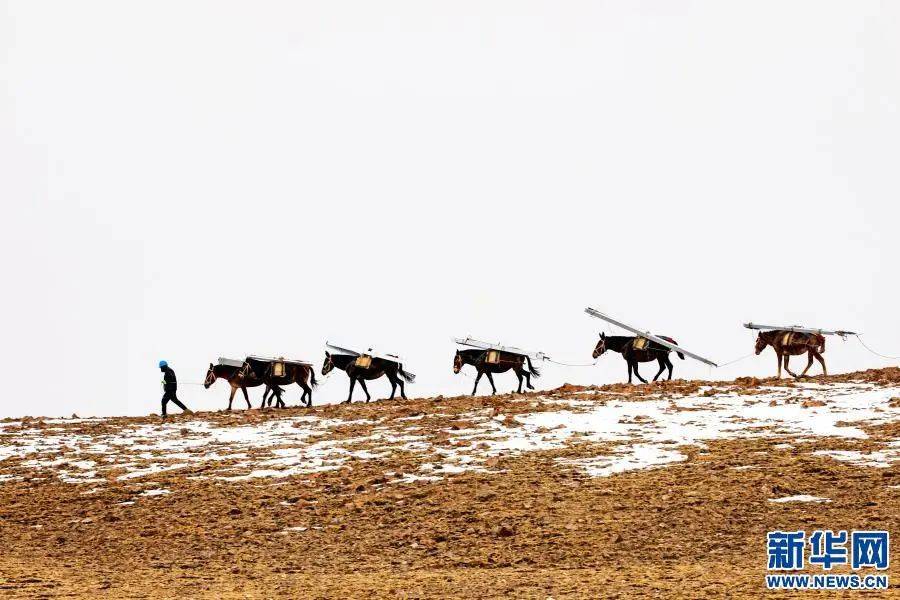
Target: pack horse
(493, 358)
(794, 340)
(366, 366)
(635, 349)
(255, 371)
(641, 347)
(277, 372)
(230, 370)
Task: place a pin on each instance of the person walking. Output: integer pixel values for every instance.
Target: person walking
(170, 386)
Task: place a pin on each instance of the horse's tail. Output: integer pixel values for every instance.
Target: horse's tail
(668, 339)
(312, 376)
(531, 367)
(407, 376)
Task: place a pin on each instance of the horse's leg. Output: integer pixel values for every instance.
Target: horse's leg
(637, 374)
(662, 366)
(669, 365)
(362, 383)
(393, 380)
(527, 374)
(491, 379)
(780, 358)
(307, 394)
(518, 373)
(628, 362)
(477, 379)
(402, 387)
(787, 358)
(822, 361)
(231, 397)
(352, 384)
(262, 404)
(808, 364)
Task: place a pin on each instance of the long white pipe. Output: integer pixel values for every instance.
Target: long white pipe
(649, 336)
(799, 329)
(470, 341)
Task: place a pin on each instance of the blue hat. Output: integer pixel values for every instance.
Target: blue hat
(162, 364)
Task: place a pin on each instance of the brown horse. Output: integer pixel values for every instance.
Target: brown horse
(377, 367)
(789, 343)
(234, 378)
(628, 347)
(298, 373)
(294, 372)
(502, 362)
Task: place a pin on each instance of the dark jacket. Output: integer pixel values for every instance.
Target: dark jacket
(171, 383)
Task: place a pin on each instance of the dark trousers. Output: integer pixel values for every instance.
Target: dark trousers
(170, 395)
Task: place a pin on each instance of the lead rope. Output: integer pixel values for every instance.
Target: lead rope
(873, 352)
(565, 364)
(731, 362)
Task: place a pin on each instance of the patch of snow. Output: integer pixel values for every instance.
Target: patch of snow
(880, 458)
(638, 456)
(799, 498)
(155, 468)
(643, 434)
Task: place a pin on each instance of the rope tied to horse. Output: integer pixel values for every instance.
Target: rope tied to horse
(565, 364)
(737, 360)
(859, 337)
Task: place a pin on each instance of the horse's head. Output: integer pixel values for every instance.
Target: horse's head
(457, 363)
(761, 342)
(600, 348)
(210, 376)
(328, 365)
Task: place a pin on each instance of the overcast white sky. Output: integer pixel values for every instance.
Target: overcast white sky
(188, 180)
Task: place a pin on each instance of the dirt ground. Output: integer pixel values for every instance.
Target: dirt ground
(530, 527)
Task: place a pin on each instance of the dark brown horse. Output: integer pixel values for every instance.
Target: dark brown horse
(495, 361)
(234, 378)
(376, 368)
(634, 354)
(292, 372)
(789, 343)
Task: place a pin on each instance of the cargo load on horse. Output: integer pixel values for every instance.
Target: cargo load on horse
(490, 358)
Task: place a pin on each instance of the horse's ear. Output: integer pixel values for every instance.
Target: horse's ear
(326, 354)
(210, 365)
(602, 335)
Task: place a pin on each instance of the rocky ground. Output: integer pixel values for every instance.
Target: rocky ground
(665, 489)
